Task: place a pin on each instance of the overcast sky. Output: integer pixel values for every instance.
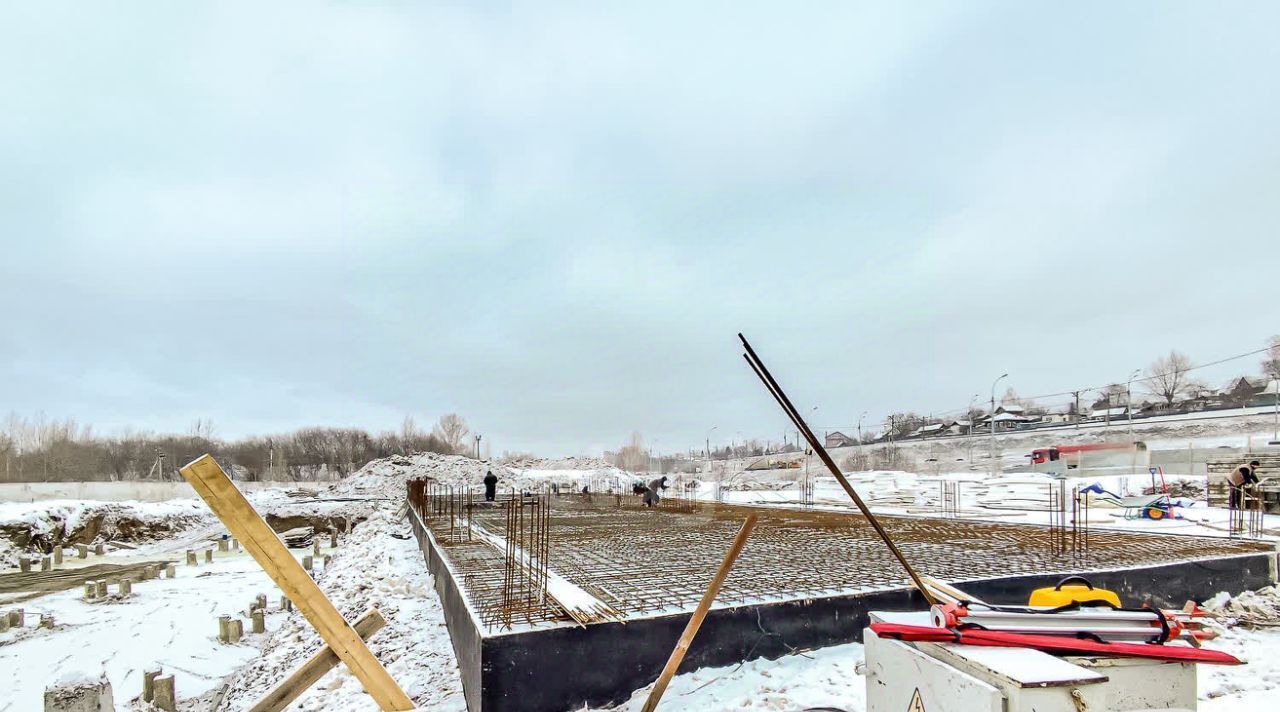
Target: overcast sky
(553, 219)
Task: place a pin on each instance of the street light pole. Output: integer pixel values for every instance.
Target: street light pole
(861, 461)
(1128, 399)
(708, 438)
(969, 433)
(995, 465)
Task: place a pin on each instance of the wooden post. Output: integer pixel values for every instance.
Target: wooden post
(310, 672)
(695, 621)
(245, 524)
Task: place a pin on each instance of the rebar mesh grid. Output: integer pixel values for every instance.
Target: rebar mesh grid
(646, 561)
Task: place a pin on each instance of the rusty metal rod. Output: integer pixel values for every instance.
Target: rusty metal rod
(767, 378)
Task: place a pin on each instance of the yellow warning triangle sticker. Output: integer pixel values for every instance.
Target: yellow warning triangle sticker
(916, 704)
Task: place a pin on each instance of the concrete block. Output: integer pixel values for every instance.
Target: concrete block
(208, 556)
(46, 563)
(286, 604)
(57, 555)
(100, 588)
(90, 590)
(260, 602)
(79, 695)
(100, 549)
(224, 629)
(17, 618)
(259, 621)
(126, 586)
(307, 562)
(24, 565)
(224, 545)
(235, 544)
(149, 683)
(82, 551)
(166, 695)
(191, 557)
(170, 571)
(4, 622)
(46, 620)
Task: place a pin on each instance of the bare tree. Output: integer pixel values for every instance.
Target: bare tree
(1271, 362)
(452, 429)
(632, 456)
(1166, 377)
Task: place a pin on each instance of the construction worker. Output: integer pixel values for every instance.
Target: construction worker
(490, 486)
(651, 496)
(1239, 478)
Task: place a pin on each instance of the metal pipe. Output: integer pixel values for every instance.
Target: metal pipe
(776, 391)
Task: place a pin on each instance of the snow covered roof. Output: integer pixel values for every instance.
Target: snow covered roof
(1015, 409)
(1103, 412)
(1006, 417)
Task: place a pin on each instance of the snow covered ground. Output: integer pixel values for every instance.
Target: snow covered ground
(174, 622)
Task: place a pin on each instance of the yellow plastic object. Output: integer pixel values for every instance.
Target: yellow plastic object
(1067, 593)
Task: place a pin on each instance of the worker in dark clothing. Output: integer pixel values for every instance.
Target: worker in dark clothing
(1241, 477)
(651, 496)
(490, 486)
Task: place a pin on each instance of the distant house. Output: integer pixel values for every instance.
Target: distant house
(1010, 421)
(1117, 413)
(1267, 396)
(1055, 418)
(1011, 410)
(838, 439)
(1241, 390)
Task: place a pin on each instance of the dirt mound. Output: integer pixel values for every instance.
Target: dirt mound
(27, 529)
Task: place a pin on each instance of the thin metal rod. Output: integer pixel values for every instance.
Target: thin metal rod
(767, 378)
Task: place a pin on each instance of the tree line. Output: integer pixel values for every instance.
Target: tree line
(39, 449)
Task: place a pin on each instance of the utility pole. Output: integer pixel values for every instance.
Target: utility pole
(708, 439)
(995, 463)
(478, 446)
(1075, 414)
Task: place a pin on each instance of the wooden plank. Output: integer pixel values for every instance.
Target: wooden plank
(695, 621)
(310, 672)
(245, 524)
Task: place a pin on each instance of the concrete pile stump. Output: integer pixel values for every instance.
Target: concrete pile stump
(17, 618)
(57, 555)
(100, 588)
(4, 622)
(224, 545)
(286, 604)
(191, 557)
(208, 556)
(259, 621)
(24, 565)
(149, 683)
(126, 587)
(170, 571)
(100, 549)
(315, 546)
(46, 563)
(79, 695)
(165, 695)
(230, 630)
(235, 544)
(90, 590)
(307, 562)
(82, 551)
(259, 602)
(46, 621)
(333, 538)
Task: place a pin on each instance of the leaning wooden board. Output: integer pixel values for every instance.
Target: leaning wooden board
(244, 523)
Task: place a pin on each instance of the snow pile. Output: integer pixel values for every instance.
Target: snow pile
(386, 477)
(1251, 609)
(559, 463)
(36, 527)
(370, 569)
